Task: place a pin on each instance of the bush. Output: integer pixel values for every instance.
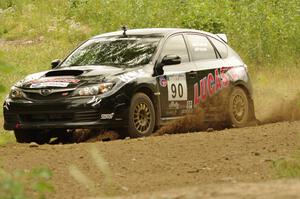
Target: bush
(25, 184)
(263, 32)
(3, 69)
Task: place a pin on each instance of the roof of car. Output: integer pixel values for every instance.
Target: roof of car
(151, 31)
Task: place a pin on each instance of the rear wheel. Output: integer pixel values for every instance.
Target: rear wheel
(141, 116)
(27, 136)
(238, 108)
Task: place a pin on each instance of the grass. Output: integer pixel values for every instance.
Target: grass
(288, 168)
(6, 138)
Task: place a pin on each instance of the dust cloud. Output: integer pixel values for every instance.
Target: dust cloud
(189, 123)
(279, 110)
(270, 108)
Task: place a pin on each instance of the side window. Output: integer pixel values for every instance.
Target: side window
(201, 48)
(222, 48)
(176, 46)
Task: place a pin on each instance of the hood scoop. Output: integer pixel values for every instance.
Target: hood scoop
(56, 73)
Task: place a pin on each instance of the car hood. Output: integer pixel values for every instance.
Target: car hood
(71, 77)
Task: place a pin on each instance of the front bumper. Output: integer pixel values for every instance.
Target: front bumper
(69, 113)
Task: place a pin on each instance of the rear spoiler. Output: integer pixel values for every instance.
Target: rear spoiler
(223, 37)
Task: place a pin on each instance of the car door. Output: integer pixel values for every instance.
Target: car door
(176, 83)
(208, 62)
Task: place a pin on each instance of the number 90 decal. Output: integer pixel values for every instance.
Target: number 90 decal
(177, 88)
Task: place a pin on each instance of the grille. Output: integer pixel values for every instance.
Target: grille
(87, 116)
(47, 117)
(38, 96)
(61, 117)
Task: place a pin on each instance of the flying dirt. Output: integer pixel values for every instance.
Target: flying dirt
(284, 109)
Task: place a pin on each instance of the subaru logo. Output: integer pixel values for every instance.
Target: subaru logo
(45, 92)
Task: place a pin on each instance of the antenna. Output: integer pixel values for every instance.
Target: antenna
(124, 28)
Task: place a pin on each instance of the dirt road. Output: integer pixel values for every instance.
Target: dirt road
(126, 167)
(277, 189)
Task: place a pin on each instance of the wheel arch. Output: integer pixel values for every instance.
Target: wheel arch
(154, 97)
(243, 85)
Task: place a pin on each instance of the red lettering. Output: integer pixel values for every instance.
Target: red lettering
(217, 80)
(225, 80)
(210, 84)
(203, 89)
(196, 93)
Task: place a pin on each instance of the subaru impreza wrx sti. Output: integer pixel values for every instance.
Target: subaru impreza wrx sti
(134, 80)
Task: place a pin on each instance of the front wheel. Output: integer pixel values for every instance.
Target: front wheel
(141, 116)
(238, 108)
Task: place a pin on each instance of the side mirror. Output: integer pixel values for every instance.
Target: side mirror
(171, 60)
(55, 63)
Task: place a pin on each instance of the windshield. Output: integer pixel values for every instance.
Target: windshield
(114, 51)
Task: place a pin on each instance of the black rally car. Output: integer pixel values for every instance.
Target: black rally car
(135, 80)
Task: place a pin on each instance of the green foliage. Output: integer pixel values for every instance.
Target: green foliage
(6, 138)
(3, 69)
(288, 168)
(263, 32)
(2, 88)
(25, 184)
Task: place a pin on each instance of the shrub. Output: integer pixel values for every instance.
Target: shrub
(25, 184)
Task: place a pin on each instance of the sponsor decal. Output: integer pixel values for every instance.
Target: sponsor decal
(127, 77)
(177, 88)
(189, 104)
(107, 116)
(6, 105)
(163, 82)
(60, 82)
(65, 94)
(235, 73)
(171, 112)
(238, 73)
(49, 84)
(55, 79)
(210, 85)
(186, 111)
(174, 105)
(94, 101)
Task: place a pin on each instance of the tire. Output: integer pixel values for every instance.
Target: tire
(239, 109)
(141, 116)
(27, 136)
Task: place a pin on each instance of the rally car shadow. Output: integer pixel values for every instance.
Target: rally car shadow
(287, 110)
(85, 135)
(187, 124)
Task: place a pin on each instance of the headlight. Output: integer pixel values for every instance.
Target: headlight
(94, 89)
(16, 93)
